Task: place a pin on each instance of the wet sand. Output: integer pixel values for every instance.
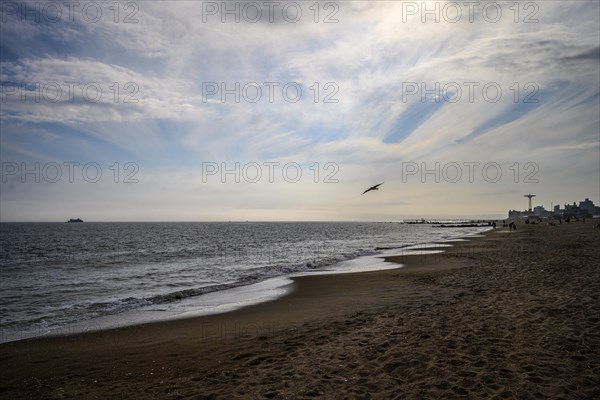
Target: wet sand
(509, 315)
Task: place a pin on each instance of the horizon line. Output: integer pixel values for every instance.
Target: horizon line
(270, 221)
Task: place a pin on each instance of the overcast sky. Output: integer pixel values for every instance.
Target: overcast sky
(459, 117)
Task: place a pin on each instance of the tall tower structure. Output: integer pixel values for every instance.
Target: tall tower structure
(529, 196)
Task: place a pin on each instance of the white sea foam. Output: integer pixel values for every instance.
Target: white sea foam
(178, 270)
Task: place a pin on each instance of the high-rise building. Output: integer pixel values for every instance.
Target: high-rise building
(585, 208)
(587, 205)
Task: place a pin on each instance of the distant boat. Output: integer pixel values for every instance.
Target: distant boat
(74, 220)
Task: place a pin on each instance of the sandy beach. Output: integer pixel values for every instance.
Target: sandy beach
(513, 314)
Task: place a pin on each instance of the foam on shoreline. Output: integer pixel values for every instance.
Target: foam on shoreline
(497, 319)
(235, 298)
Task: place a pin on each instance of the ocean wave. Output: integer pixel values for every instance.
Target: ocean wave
(147, 270)
(75, 313)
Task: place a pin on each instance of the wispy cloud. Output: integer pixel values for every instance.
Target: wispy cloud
(384, 86)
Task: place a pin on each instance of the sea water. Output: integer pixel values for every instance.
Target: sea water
(58, 275)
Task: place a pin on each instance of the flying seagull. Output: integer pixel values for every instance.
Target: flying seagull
(376, 187)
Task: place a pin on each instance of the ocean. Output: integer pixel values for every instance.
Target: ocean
(60, 277)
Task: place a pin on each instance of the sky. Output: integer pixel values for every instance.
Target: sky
(273, 111)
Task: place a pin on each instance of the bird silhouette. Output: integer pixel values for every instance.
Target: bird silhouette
(376, 187)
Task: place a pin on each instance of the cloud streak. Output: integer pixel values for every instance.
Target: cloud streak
(383, 86)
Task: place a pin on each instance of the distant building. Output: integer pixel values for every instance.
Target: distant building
(540, 211)
(514, 214)
(585, 209)
(588, 205)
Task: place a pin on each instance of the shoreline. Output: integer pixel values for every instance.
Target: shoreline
(233, 298)
(384, 333)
